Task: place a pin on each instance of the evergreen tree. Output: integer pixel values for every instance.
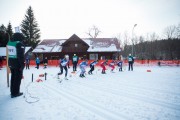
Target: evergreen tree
(9, 30)
(4, 37)
(30, 30)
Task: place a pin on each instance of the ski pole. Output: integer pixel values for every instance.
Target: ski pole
(32, 77)
(45, 75)
(24, 87)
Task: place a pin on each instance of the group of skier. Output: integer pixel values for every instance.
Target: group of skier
(63, 63)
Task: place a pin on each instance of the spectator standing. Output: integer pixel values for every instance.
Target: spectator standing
(37, 62)
(75, 62)
(16, 60)
(45, 61)
(130, 61)
(27, 62)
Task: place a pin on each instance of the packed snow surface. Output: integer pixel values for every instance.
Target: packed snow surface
(127, 95)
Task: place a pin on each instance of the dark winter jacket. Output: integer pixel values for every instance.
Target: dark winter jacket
(45, 61)
(93, 63)
(75, 59)
(16, 52)
(130, 59)
(27, 60)
(37, 61)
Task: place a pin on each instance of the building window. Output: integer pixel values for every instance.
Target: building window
(93, 56)
(103, 57)
(76, 45)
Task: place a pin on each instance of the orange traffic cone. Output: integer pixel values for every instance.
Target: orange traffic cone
(39, 80)
(41, 75)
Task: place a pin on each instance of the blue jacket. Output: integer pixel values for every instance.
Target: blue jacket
(37, 61)
(64, 62)
(27, 60)
(119, 63)
(93, 63)
(83, 64)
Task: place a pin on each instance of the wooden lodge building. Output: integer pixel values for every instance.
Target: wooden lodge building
(90, 48)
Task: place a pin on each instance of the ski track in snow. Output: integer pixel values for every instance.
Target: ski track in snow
(101, 87)
(127, 94)
(93, 107)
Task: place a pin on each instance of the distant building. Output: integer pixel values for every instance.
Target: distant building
(90, 48)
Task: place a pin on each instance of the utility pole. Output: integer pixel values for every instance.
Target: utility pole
(133, 39)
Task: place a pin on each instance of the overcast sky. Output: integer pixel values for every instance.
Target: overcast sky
(62, 18)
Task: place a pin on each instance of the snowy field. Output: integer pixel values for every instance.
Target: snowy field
(128, 95)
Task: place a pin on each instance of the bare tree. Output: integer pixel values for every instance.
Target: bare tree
(93, 32)
(126, 38)
(170, 32)
(120, 40)
(140, 49)
(127, 47)
(178, 31)
(153, 47)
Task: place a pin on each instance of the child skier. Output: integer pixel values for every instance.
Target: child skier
(92, 64)
(119, 64)
(112, 65)
(82, 65)
(103, 66)
(63, 65)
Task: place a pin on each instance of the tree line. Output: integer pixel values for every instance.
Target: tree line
(166, 49)
(152, 46)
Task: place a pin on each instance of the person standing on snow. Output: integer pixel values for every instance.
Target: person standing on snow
(92, 64)
(112, 65)
(82, 65)
(45, 62)
(103, 66)
(75, 62)
(63, 65)
(37, 63)
(27, 61)
(130, 61)
(120, 63)
(16, 60)
(67, 56)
